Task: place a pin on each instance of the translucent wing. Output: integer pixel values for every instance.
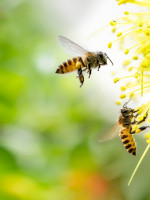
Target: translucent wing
(110, 133)
(71, 47)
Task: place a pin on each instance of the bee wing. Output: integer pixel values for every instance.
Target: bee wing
(71, 47)
(111, 133)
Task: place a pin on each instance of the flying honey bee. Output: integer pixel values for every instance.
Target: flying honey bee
(85, 60)
(127, 118)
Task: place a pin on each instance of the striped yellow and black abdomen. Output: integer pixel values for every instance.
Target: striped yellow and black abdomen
(68, 66)
(128, 141)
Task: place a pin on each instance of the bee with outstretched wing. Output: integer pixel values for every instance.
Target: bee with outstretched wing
(84, 60)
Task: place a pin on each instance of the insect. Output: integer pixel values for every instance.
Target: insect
(127, 118)
(85, 60)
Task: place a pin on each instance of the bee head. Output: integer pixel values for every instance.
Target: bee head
(102, 58)
(126, 111)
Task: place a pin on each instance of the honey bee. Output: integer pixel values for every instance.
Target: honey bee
(127, 118)
(85, 60)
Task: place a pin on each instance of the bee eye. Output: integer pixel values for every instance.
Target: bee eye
(101, 56)
(124, 111)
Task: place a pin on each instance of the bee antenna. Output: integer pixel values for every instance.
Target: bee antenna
(109, 59)
(125, 104)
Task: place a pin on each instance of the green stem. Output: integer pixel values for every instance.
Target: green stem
(143, 155)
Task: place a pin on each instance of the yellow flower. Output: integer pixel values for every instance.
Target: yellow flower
(135, 34)
(142, 112)
(137, 26)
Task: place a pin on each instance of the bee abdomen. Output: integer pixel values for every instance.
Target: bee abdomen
(67, 66)
(132, 151)
(128, 141)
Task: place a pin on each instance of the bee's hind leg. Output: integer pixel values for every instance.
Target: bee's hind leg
(80, 76)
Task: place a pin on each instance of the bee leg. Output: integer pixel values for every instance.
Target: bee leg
(134, 122)
(132, 132)
(99, 67)
(79, 72)
(127, 124)
(81, 62)
(144, 118)
(135, 116)
(138, 122)
(142, 128)
(135, 111)
(81, 77)
(81, 80)
(89, 70)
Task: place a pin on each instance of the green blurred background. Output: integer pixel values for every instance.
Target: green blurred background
(49, 146)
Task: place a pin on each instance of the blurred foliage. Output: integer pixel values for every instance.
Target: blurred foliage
(49, 131)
